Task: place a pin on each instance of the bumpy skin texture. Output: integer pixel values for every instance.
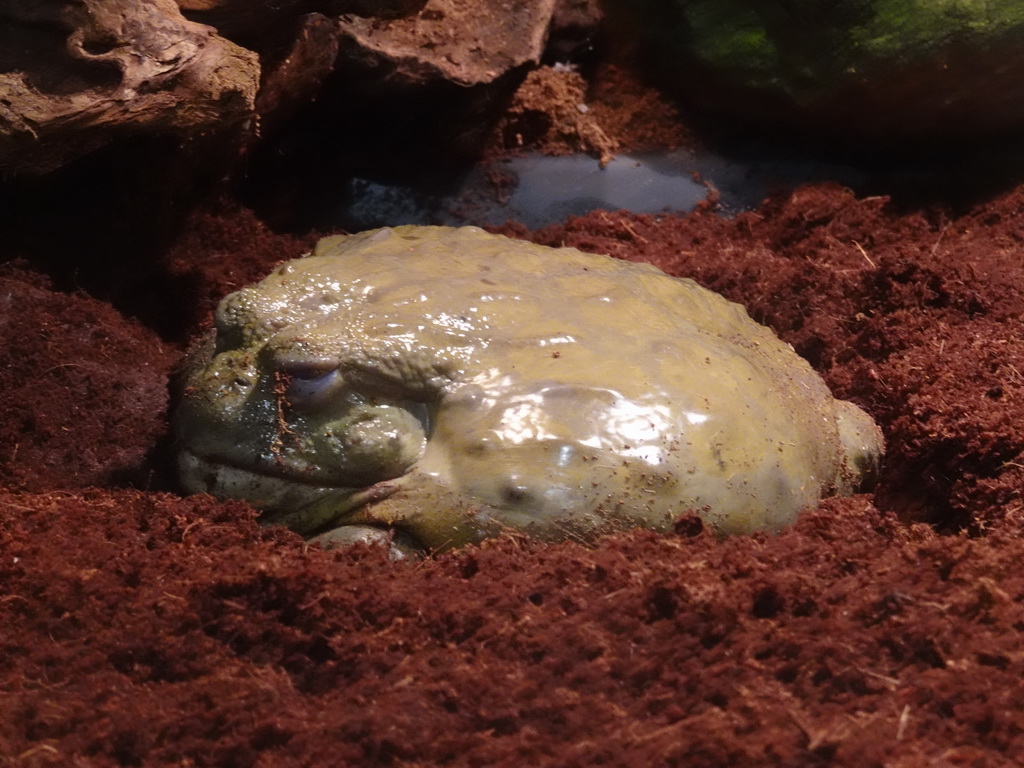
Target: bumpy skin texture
(448, 383)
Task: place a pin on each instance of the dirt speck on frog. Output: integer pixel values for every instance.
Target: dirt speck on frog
(438, 385)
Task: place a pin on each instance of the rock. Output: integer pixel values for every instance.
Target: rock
(438, 79)
(457, 41)
(413, 99)
(75, 76)
(883, 71)
(293, 78)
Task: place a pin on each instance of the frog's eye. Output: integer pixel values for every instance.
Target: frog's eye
(312, 387)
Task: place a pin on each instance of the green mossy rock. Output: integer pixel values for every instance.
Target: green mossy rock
(887, 70)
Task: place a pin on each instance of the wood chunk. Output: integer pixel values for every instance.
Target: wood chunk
(75, 76)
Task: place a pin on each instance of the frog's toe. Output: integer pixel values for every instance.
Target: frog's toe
(399, 547)
(862, 445)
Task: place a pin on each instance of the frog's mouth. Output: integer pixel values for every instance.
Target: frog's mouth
(306, 508)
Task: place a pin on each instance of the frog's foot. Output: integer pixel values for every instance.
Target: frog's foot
(400, 547)
(862, 445)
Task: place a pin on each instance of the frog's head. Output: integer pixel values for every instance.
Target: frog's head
(287, 403)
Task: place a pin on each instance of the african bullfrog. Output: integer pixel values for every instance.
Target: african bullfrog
(434, 386)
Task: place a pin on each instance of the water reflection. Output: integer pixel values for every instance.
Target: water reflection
(599, 418)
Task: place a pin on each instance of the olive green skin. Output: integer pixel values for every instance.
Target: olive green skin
(448, 384)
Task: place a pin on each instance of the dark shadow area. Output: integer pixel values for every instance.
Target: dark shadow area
(102, 223)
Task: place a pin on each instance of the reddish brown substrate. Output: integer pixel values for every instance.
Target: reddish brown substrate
(141, 629)
(84, 390)
(179, 633)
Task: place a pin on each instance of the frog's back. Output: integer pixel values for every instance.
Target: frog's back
(512, 299)
(590, 352)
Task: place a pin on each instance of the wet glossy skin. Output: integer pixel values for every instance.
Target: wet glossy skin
(447, 383)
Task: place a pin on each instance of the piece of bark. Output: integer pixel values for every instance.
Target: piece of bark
(77, 75)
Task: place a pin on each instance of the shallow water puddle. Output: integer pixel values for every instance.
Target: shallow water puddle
(537, 190)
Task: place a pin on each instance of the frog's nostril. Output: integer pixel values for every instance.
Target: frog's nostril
(515, 494)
